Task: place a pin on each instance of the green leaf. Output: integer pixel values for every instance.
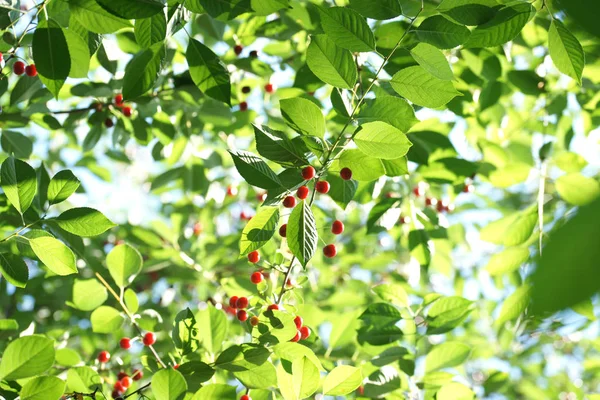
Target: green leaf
(254, 170)
(507, 260)
(67, 357)
(132, 9)
(142, 71)
(215, 391)
(514, 305)
(14, 269)
(565, 50)
(377, 9)
(577, 189)
(454, 391)
(511, 230)
(303, 116)
(291, 351)
(83, 379)
(19, 183)
(106, 319)
(446, 355)
(381, 140)
(262, 377)
(88, 294)
(27, 356)
(377, 212)
(397, 167)
(131, 301)
(447, 313)
(503, 27)
(302, 235)
(276, 146)
(208, 72)
(267, 7)
(94, 18)
(570, 162)
(342, 380)
(393, 293)
(168, 384)
(347, 28)
(196, 373)
(184, 332)
(567, 272)
(442, 33)
(54, 254)
(79, 54)
(213, 330)
(42, 388)
(51, 51)
(363, 168)
(422, 88)
(124, 262)
(259, 230)
(243, 357)
(391, 110)
(330, 63)
(84, 221)
(476, 12)
(61, 186)
(303, 381)
(16, 143)
(341, 191)
(433, 60)
(150, 30)
(420, 246)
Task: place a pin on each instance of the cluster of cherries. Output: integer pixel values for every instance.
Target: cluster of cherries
(239, 48)
(119, 103)
(19, 67)
(269, 88)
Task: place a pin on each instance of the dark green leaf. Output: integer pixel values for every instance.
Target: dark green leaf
(330, 63)
(14, 269)
(208, 72)
(61, 186)
(347, 28)
(132, 9)
(442, 33)
(302, 233)
(254, 170)
(142, 71)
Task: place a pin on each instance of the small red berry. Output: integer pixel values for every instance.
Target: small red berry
(238, 49)
(296, 338)
(269, 88)
(298, 321)
(197, 229)
(242, 302)
(176, 366)
(419, 191)
(450, 208)
(115, 394)
(104, 356)
(430, 201)
(230, 310)
(256, 277)
(109, 123)
(337, 227)
(242, 315)
(442, 205)
(1, 57)
(308, 173)
(404, 220)
(119, 387)
(346, 173)
(233, 302)
(254, 257)
(322, 187)
(254, 320)
(246, 89)
(273, 307)
(261, 196)
(149, 339)
(469, 188)
(127, 111)
(31, 70)
(243, 106)
(304, 332)
(283, 230)
(137, 374)
(19, 67)
(329, 251)
(254, 54)
(126, 382)
(231, 191)
(245, 397)
(361, 390)
(121, 375)
(289, 283)
(302, 192)
(125, 343)
(289, 202)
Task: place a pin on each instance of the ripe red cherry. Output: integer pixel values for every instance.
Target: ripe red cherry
(197, 229)
(298, 321)
(125, 343)
(442, 205)
(308, 173)
(245, 397)
(273, 307)
(31, 70)
(337, 227)
(283, 230)
(254, 54)
(430, 201)
(104, 356)
(304, 332)
(243, 106)
(302, 192)
(469, 188)
(242, 302)
(238, 49)
(289, 202)
(296, 338)
(322, 187)
(289, 283)
(233, 301)
(254, 320)
(246, 89)
(119, 99)
(137, 374)
(108, 123)
(404, 220)
(231, 191)
(361, 390)
(126, 382)
(329, 251)
(254, 257)
(242, 315)
(261, 196)
(176, 366)
(119, 387)
(1, 57)
(149, 339)
(127, 111)
(19, 67)
(121, 375)
(419, 191)
(346, 173)
(256, 277)
(115, 394)
(269, 88)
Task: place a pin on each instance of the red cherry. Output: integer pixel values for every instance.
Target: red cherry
(119, 387)
(243, 106)
(121, 375)
(242, 302)
(230, 310)
(404, 220)
(238, 49)
(308, 173)
(269, 88)
(289, 202)
(19, 67)
(302, 192)
(254, 54)
(127, 111)
(1, 57)
(322, 187)
(115, 394)
(261, 196)
(254, 257)
(298, 321)
(273, 307)
(450, 208)
(304, 332)
(289, 283)
(125, 343)
(296, 338)
(346, 173)
(126, 382)
(254, 320)
(337, 227)
(256, 277)
(361, 390)
(137, 374)
(283, 230)
(233, 301)
(231, 191)
(245, 397)
(176, 366)
(31, 70)
(329, 251)
(197, 229)
(430, 201)
(119, 99)
(242, 315)
(109, 123)
(104, 356)
(469, 188)
(419, 191)
(246, 89)
(149, 339)
(442, 205)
